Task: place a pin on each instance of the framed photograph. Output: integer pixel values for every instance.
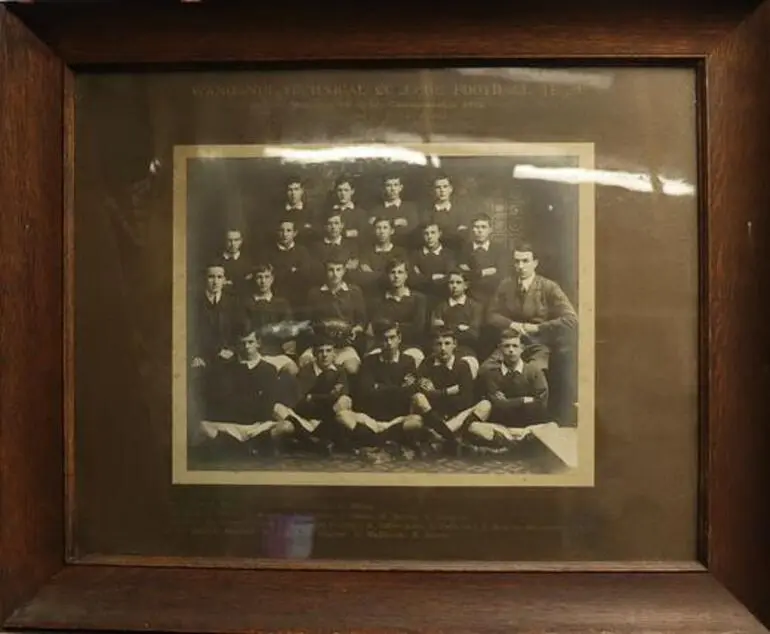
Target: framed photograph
(346, 321)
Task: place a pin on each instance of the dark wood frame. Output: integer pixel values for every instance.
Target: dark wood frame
(41, 46)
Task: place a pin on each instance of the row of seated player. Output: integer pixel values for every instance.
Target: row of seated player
(436, 406)
(217, 315)
(299, 267)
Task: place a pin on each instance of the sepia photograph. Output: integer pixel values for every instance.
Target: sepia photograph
(385, 314)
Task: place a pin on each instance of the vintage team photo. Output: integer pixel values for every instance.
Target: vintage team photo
(384, 315)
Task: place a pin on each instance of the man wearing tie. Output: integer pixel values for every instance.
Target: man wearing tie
(535, 307)
(213, 320)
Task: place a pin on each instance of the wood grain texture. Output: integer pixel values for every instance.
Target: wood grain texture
(31, 517)
(739, 282)
(84, 597)
(92, 33)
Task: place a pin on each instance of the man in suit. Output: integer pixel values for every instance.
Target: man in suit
(214, 316)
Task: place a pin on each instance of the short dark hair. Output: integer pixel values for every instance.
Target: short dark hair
(293, 179)
(263, 268)
(344, 178)
(394, 262)
(382, 325)
(441, 176)
(509, 333)
(379, 219)
(333, 259)
(522, 246)
(443, 331)
(482, 217)
(460, 272)
(286, 218)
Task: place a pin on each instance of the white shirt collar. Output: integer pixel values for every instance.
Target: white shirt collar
(380, 249)
(343, 287)
(343, 207)
(527, 283)
(449, 364)
(336, 241)
(393, 203)
(483, 245)
(231, 256)
(395, 358)
(458, 302)
(446, 206)
(397, 298)
(317, 369)
(504, 369)
(438, 250)
(214, 298)
(251, 364)
(282, 247)
(298, 207)
(267, 297)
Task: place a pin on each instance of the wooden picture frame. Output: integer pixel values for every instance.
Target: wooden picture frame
(41, 49)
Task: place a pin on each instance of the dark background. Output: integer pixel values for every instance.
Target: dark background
(644, 504)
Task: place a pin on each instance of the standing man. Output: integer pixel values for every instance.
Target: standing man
(444, 211)
(237, 265)
(354, 218)
(402, 213)
(297, 209)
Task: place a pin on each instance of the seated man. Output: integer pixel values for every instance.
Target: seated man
(386, 384)
(444, 393)
(338, 305)
(517, 392)
(242, 395)
(516, 397)
(534, 306)
(404, 307)
(272, 318)
(323, 408)
(213, 319)
(463, 315)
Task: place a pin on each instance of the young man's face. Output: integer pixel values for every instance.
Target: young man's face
(442, 190)
(397, 276)
(393, 189)
(511, 349)
(263, 280)
(249, 348)
(481, 231)
(233, 241)
(334, 227)
(391, 340)
(324, 355)
(383, 232)
(334, 274)
(215, 279)
(457, 286)
(431, 236)
(344, 193)
(286, 233)
(524, 263)
(294, 193)
(444, 347)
